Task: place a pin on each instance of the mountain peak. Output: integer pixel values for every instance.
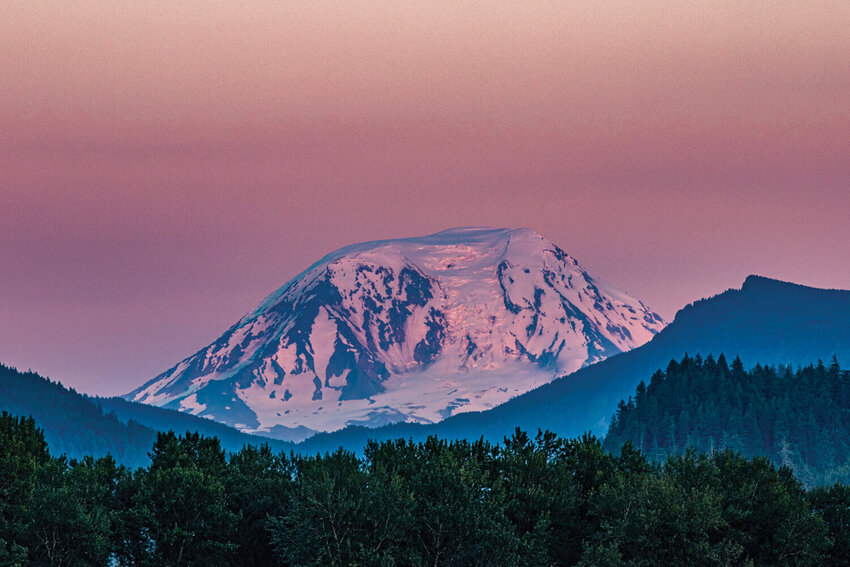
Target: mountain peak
(409, 329)
(762, 283)
(754, 281)
(474, 233)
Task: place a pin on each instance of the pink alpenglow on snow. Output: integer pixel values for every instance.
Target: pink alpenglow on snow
(414, 329)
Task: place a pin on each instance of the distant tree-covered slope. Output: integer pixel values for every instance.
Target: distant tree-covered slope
(796, 417)
(164, 420)
(73, 425)
(765, 320)
(76, 425)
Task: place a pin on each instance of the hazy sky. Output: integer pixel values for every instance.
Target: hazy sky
(165, 165)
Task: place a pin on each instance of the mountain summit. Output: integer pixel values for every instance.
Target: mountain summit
(412, 329)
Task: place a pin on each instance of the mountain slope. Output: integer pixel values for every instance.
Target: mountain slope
(160, 419)
(76, 425)
(765, 321)
(411, 330)
(73, 424)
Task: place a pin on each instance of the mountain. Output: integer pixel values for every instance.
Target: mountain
(766, 321)
(406, 330)
(76, 425)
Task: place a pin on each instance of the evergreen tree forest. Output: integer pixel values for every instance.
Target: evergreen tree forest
(71, 423)
(529, 501)
(799, 418)
(77, 425)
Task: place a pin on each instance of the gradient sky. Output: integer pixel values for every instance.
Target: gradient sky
(165, 165)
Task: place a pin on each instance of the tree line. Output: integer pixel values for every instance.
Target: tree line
(799, 418)
(531, 501)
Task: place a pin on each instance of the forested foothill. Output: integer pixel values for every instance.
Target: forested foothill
(797, 417)
(530, 501)
(77, 425)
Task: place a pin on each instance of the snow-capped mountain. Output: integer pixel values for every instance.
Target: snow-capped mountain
(411, 329)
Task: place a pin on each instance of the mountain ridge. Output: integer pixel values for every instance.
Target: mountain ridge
(78, 425)
(767, 321)
(790, 324)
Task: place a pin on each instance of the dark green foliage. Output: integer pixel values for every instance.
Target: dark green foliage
(696, 509)
(160, 419)
(258, 485)
(800, 419)
(542, 497)
(178, 510)
(52, 511)
(322, 526)
(23, 453)
(833, 505)
(70, 513)
(541, 501)
(457, 512)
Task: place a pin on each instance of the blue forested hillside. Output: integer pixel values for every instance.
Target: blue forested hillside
(766, 321)
(799, 418)
(164, 419)
(72, 423)
(76, 425)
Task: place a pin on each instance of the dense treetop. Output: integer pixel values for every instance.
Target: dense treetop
(524, 502)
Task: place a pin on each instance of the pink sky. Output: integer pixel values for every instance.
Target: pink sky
(163, 168)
